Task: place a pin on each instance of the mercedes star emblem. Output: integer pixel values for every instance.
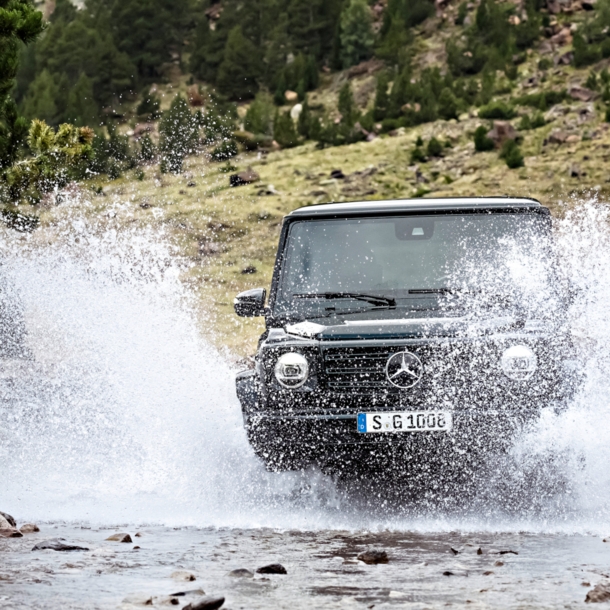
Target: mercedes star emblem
(404, 370)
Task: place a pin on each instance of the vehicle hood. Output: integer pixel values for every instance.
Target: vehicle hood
(409, 327)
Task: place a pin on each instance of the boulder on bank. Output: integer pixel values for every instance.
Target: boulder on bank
(599, 593)
(272, 568)
(246, 177)
(7, 517)
(206, 603)
(57, 544)
(502, 131)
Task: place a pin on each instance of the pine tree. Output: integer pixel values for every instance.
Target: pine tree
(284, 132)
(357, 37)
(178, 135)
(259, 117)
(13, 129)
(382, 98)
(305, 120)
(81, 108)
(41, 99)
(447, 105)
(240, 69)
(347, 106)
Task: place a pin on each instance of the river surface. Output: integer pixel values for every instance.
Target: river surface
(550, 571)
(123, 418)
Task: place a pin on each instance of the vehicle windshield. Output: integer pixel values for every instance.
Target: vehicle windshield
(410, 260)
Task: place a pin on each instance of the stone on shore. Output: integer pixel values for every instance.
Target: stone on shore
(57, 544)
(599, 593)
(10, 532)
(206, 603)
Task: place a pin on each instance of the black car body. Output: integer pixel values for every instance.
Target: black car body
(358, 358)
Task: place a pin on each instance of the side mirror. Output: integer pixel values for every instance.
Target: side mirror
(250, 303)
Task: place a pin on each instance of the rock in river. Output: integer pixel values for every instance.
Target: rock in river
(57, 544)
(205, 603)
(7, 517)
(241, 573)
(373, 556)
(183, 575)
(599, 593)
(272, 568)
(29, 528)
(119, 538)
(10, 532)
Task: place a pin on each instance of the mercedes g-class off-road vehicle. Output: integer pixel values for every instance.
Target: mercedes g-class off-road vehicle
(434, 326)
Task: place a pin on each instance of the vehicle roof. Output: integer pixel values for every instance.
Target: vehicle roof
(433, 206)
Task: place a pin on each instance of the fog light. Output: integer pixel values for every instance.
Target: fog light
(519, 362)
(292, 370)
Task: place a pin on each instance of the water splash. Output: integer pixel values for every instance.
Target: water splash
(124, 413)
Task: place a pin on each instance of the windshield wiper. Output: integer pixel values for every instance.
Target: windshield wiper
(433, 290)
(373, 299)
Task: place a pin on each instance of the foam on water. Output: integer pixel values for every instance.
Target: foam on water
(125, 414)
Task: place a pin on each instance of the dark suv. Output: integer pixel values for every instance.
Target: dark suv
(432, 326)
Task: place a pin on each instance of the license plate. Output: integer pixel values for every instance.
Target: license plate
(409, 421)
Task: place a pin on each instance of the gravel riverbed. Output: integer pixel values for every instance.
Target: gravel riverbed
(423, 570)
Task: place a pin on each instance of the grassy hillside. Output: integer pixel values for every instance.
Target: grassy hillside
(230, 234)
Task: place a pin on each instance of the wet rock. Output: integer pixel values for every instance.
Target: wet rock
(139, 599)
(581, 93)
(373, 556)
(272, 568)
(7, 517)
(138, 535)
(599, 593)
(120, 538)
(241, 573)
(246, 177)
(509, 552)
(487, 573)
(337, 174)
(454, 551)
(499, 564)
(4, 524)
(198, 592)
(10, 532)
(479, 551)
(206, 603)
(183, 575)
(29, 528)
(58, 544)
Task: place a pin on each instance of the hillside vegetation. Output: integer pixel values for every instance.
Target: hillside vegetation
(302, 102)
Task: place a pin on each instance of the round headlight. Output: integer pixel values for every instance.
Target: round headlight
(292, 370)
(519, 362)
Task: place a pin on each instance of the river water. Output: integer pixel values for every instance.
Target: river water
(125, 419)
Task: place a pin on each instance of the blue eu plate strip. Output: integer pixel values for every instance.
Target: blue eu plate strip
(361, 422)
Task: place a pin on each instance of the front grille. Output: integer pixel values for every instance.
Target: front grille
(357, 368)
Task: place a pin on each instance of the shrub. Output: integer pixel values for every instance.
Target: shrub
(462, 13)
(434, 148)
(541, 100)
(607, 116)
(284, 132)
(259, 117)
(538, 121)
(149, 107)
(482, 143)
(496, 110)
(417, 155)
(178, 135)
(511, 153)
(545, 64)
(224, 151)
(591, 82)
(447, 105)
(148, 150)
(585, 53)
